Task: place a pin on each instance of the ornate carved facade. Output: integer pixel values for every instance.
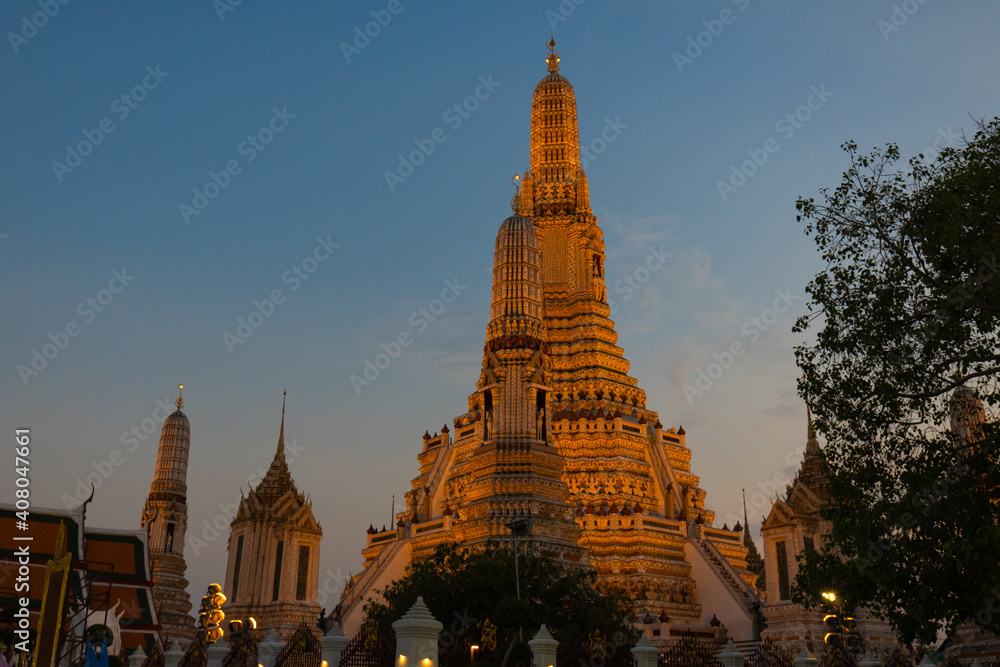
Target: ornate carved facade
(165, 519)
(559, 431)
(272, 573)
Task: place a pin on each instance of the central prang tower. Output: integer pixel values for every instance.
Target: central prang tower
(558, 431)
(556, 196)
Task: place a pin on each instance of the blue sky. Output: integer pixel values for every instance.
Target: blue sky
(690, 91)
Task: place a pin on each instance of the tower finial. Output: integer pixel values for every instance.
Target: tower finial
(180, 398)
(515, 201)
(280, 454)
(811, 443)
(746, 522)
(553, 58)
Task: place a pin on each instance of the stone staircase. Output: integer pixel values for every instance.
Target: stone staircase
(355, 597)
(748, 647)
(740, 590)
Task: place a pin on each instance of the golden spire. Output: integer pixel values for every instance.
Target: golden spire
(555, 143)
(515, 201)
(747, 539)
(552, 60)
(281, 434)
(277, 481)
(180, 398)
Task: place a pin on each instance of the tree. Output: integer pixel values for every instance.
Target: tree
(906, 317)
(461, 585)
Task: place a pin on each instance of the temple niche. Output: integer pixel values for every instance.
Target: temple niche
(557, 430)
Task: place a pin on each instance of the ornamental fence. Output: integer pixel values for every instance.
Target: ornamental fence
(302, 650)
(416, 640)
(243, 651)
(373, 646)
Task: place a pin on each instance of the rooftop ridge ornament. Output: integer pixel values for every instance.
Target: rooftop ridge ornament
(552, 60)
(280, 454)
(812, 444)
(180, 398)
(515, 201)
(746, 522)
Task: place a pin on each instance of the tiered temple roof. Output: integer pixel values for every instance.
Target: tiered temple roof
(164, 517)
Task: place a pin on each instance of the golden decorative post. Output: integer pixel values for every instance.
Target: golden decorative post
(211, 614)
(50, 618)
